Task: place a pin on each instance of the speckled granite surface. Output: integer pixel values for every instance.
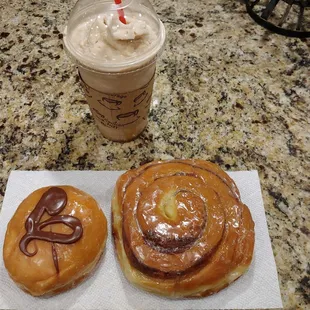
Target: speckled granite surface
(226, 90)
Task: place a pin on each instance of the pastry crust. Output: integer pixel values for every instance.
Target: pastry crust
(37, 274)
(180, 228)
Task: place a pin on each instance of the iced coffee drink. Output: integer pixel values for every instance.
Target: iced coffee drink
(116, 59)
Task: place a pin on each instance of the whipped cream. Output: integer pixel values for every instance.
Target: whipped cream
(106, 38)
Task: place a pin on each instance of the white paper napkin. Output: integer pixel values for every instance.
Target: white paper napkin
(108, 288)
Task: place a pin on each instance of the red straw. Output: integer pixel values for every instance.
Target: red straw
(120, 12)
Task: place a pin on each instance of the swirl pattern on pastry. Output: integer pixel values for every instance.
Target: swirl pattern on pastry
(180, 228)
(53, 201)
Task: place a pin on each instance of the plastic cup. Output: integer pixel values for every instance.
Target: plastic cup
(116, 62)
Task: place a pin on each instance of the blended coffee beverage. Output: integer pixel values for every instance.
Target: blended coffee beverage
(116, 48)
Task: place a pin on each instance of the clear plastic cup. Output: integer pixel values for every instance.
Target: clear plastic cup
(116, 61)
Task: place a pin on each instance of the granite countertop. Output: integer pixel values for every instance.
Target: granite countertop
(226, 90)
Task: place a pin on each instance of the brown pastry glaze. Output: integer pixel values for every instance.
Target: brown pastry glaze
(53, 201)
(56, 266)
(183, 223)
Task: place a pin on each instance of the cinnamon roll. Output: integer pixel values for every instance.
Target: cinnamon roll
(54, 240)
(180, 228)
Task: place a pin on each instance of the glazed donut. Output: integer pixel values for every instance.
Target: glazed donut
(54, 240)
(180, 228)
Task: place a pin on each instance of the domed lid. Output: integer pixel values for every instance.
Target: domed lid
(106, 36)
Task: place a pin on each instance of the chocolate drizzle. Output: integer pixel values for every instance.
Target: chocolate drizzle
(55, 257)
(53, 201)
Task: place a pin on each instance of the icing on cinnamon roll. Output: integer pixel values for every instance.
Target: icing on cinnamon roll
(180, 228)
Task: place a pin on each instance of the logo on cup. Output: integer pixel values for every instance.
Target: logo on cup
(110, 104)
(139, 99)
(126, 115)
